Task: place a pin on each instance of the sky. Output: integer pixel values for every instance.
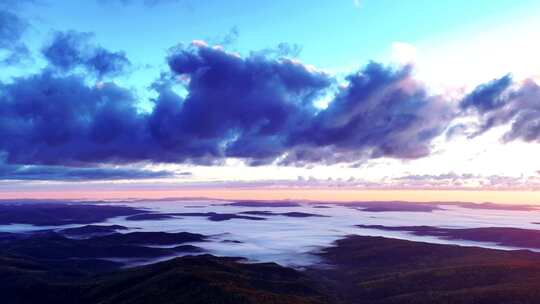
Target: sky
(344, 100)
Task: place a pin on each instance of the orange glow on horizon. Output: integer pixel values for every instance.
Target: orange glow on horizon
(342, 195)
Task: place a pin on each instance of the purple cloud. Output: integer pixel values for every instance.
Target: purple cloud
(70, 50)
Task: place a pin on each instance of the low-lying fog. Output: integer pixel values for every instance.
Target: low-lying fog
(287, 234)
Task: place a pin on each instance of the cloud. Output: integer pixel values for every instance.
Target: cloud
(242, 107)
(60, 120)
(489, 96)
(229, 38)
(57, 173)
(525, 110)
(452, 180)
(448, 180)
(457, 130)
(268, 105)
(70, 50)
(443, 176)
(383, 112)
(502, 102)
(283, 49)
(259, 109)
(12, 28)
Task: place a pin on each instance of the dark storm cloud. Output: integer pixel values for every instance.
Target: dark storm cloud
(502, 102)
(70, 50)
(12, 28)
(257, 108)
(57, 173)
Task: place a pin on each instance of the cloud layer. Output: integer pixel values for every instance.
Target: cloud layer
(258, 108)
(59, 173)
(211, 105)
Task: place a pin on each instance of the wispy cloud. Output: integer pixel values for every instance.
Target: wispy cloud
(59, 173)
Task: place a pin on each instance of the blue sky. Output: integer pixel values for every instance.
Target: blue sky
(349, 32)
(336, 35)
(454, 49)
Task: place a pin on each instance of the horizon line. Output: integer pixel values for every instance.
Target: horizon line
(530, 197)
